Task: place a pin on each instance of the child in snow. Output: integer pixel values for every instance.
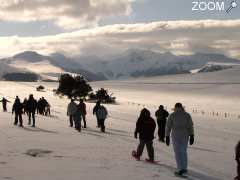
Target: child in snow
(145, 127)
(238, 160)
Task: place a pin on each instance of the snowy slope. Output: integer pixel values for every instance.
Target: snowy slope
(146, 63)
(92, 155)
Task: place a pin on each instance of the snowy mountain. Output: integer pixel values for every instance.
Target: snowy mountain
(132, 63)
(47, 68)
(144, 63)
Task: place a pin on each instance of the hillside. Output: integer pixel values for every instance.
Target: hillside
(146, 63)
(45, 67)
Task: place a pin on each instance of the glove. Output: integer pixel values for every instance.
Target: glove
(191, 141)
(167, 140)
(135, 135)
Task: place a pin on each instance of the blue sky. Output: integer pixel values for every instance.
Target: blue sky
(100, 27)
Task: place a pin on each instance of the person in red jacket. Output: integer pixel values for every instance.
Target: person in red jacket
(145, 128)
(238, 160)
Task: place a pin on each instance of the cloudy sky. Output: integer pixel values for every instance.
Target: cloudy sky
(103, 27)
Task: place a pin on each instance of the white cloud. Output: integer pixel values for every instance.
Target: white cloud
(68, 14)
(209, 36)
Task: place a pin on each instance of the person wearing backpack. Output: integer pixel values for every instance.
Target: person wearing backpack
(145, 128)
(101, 114)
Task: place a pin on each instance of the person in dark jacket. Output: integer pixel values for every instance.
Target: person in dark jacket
(161, 115)
(238, 160)
(4, 104)
(145, 128)
(31, 108)
(78, 119)
(82, 108)
(25, 106)
(96, 107)
(18, 110)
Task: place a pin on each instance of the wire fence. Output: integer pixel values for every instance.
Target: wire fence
(225, 115)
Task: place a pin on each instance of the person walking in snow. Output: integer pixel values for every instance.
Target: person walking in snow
(4, 104)
(101, 114)
(18, 110)
(238, 160)
(161, 115)
(25, 106)
(31, 109)
(145, 128)
(78, 119)
(82, 108)
(96, 107)
(180, 126)
(71, 109)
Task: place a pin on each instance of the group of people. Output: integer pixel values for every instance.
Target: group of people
(179, 125)
(29, 106)
(43, 107)
(77, 113)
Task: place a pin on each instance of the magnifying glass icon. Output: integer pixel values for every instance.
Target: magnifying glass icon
(233, 4)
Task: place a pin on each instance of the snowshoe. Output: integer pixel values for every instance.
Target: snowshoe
(134, 154)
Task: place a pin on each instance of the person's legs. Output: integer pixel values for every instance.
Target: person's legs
(4, 107)
(71, 120)
(98, 123)
(16, 119)
(33, 118)
(29, 117)
(150, 150)
(20, 120)
(238, 171)
(140, 148)
(177, 151)
(102, 125)
(84, 121)
(184, 156)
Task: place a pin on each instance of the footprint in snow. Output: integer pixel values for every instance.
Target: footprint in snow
(37, 152)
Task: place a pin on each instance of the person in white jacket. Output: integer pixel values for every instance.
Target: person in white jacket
(71, 110)
(180, 126)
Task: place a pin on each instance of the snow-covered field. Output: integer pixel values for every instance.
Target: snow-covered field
(93, 155)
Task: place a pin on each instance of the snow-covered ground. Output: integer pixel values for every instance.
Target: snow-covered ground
(93, 155)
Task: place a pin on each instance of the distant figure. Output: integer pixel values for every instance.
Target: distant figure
(180, 125)
(25, 106)
(48, 109)
(238, 160)
(161, 115)
(31, 109)
(96, 107)
(101, 114)
(4, 104)
(43, 105)
(82, 108)
(78, 119)
(18, 110)
(145, 127)
(71, 109)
